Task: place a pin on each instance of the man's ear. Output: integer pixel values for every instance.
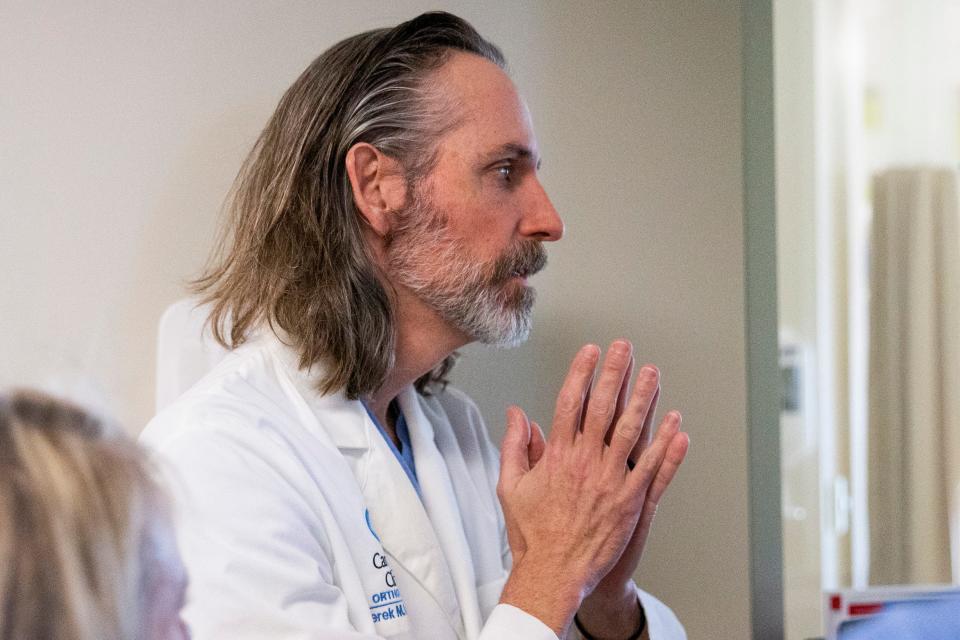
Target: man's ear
(378, 183)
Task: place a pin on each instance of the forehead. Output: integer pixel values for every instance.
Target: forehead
(489, 112)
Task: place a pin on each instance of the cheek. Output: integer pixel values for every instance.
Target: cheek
(484, 222)
(488, 231)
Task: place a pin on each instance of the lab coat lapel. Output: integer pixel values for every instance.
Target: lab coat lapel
(332, 419)
(441, 506)
(403, 526)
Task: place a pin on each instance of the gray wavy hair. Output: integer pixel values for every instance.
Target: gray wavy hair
(292, 254)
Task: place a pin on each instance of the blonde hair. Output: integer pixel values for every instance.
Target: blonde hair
(75, 511)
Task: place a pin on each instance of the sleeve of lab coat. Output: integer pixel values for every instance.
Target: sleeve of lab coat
(259, 564)
(507, 622)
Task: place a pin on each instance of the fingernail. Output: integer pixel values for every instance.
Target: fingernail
(649, 372)
(620, 347)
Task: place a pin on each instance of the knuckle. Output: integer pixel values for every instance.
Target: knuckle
(568, 403)
(628, 430)
(647, 470)
(600, 407)
(626, 507)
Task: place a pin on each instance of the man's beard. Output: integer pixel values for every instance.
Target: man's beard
(477, 298)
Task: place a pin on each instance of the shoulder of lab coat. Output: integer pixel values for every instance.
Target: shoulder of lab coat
(260, 560)
(252, 546)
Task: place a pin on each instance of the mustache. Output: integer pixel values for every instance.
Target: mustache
(525, 259)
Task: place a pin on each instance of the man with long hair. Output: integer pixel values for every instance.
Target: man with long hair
(333, 485)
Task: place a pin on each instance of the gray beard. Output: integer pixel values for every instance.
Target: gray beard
(476, 298)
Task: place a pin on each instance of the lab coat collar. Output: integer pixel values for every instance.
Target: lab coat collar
(347, 428)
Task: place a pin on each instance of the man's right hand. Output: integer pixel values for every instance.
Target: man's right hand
(571, 504)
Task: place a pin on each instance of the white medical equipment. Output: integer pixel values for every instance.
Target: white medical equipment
(186, 350)
(845, 608)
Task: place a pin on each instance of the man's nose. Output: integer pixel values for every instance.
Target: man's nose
(540, 219)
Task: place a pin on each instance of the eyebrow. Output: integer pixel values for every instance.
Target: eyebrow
(512, 150)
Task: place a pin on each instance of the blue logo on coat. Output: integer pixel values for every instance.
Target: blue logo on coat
(366, 515)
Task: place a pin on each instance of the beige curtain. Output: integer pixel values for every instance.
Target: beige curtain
(914, 420)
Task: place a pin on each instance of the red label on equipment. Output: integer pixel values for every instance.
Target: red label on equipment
(865, 608)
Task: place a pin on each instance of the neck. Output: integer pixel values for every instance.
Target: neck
(423, 341)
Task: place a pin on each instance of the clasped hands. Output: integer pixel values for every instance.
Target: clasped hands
(579, 504)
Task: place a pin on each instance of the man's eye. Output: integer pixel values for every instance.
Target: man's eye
(505, 172)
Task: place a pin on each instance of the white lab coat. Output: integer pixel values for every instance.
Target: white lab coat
(296, 521)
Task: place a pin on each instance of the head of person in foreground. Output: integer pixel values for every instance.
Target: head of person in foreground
(86, 544)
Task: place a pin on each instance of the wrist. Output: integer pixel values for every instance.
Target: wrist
(639, 632)
(613, 613)
(608, 600)
(546, 595)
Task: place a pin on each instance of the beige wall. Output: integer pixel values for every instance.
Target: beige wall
(123, 124)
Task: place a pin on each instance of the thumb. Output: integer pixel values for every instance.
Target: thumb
(537, 446)
(514, 462)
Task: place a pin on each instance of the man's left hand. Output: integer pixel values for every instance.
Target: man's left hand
(611, 610)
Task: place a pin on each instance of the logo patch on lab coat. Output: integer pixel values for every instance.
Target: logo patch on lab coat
(386, 605)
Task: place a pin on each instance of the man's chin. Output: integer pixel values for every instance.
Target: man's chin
(511, 333)
(502, 320)
(511, 341)
(508, 342)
